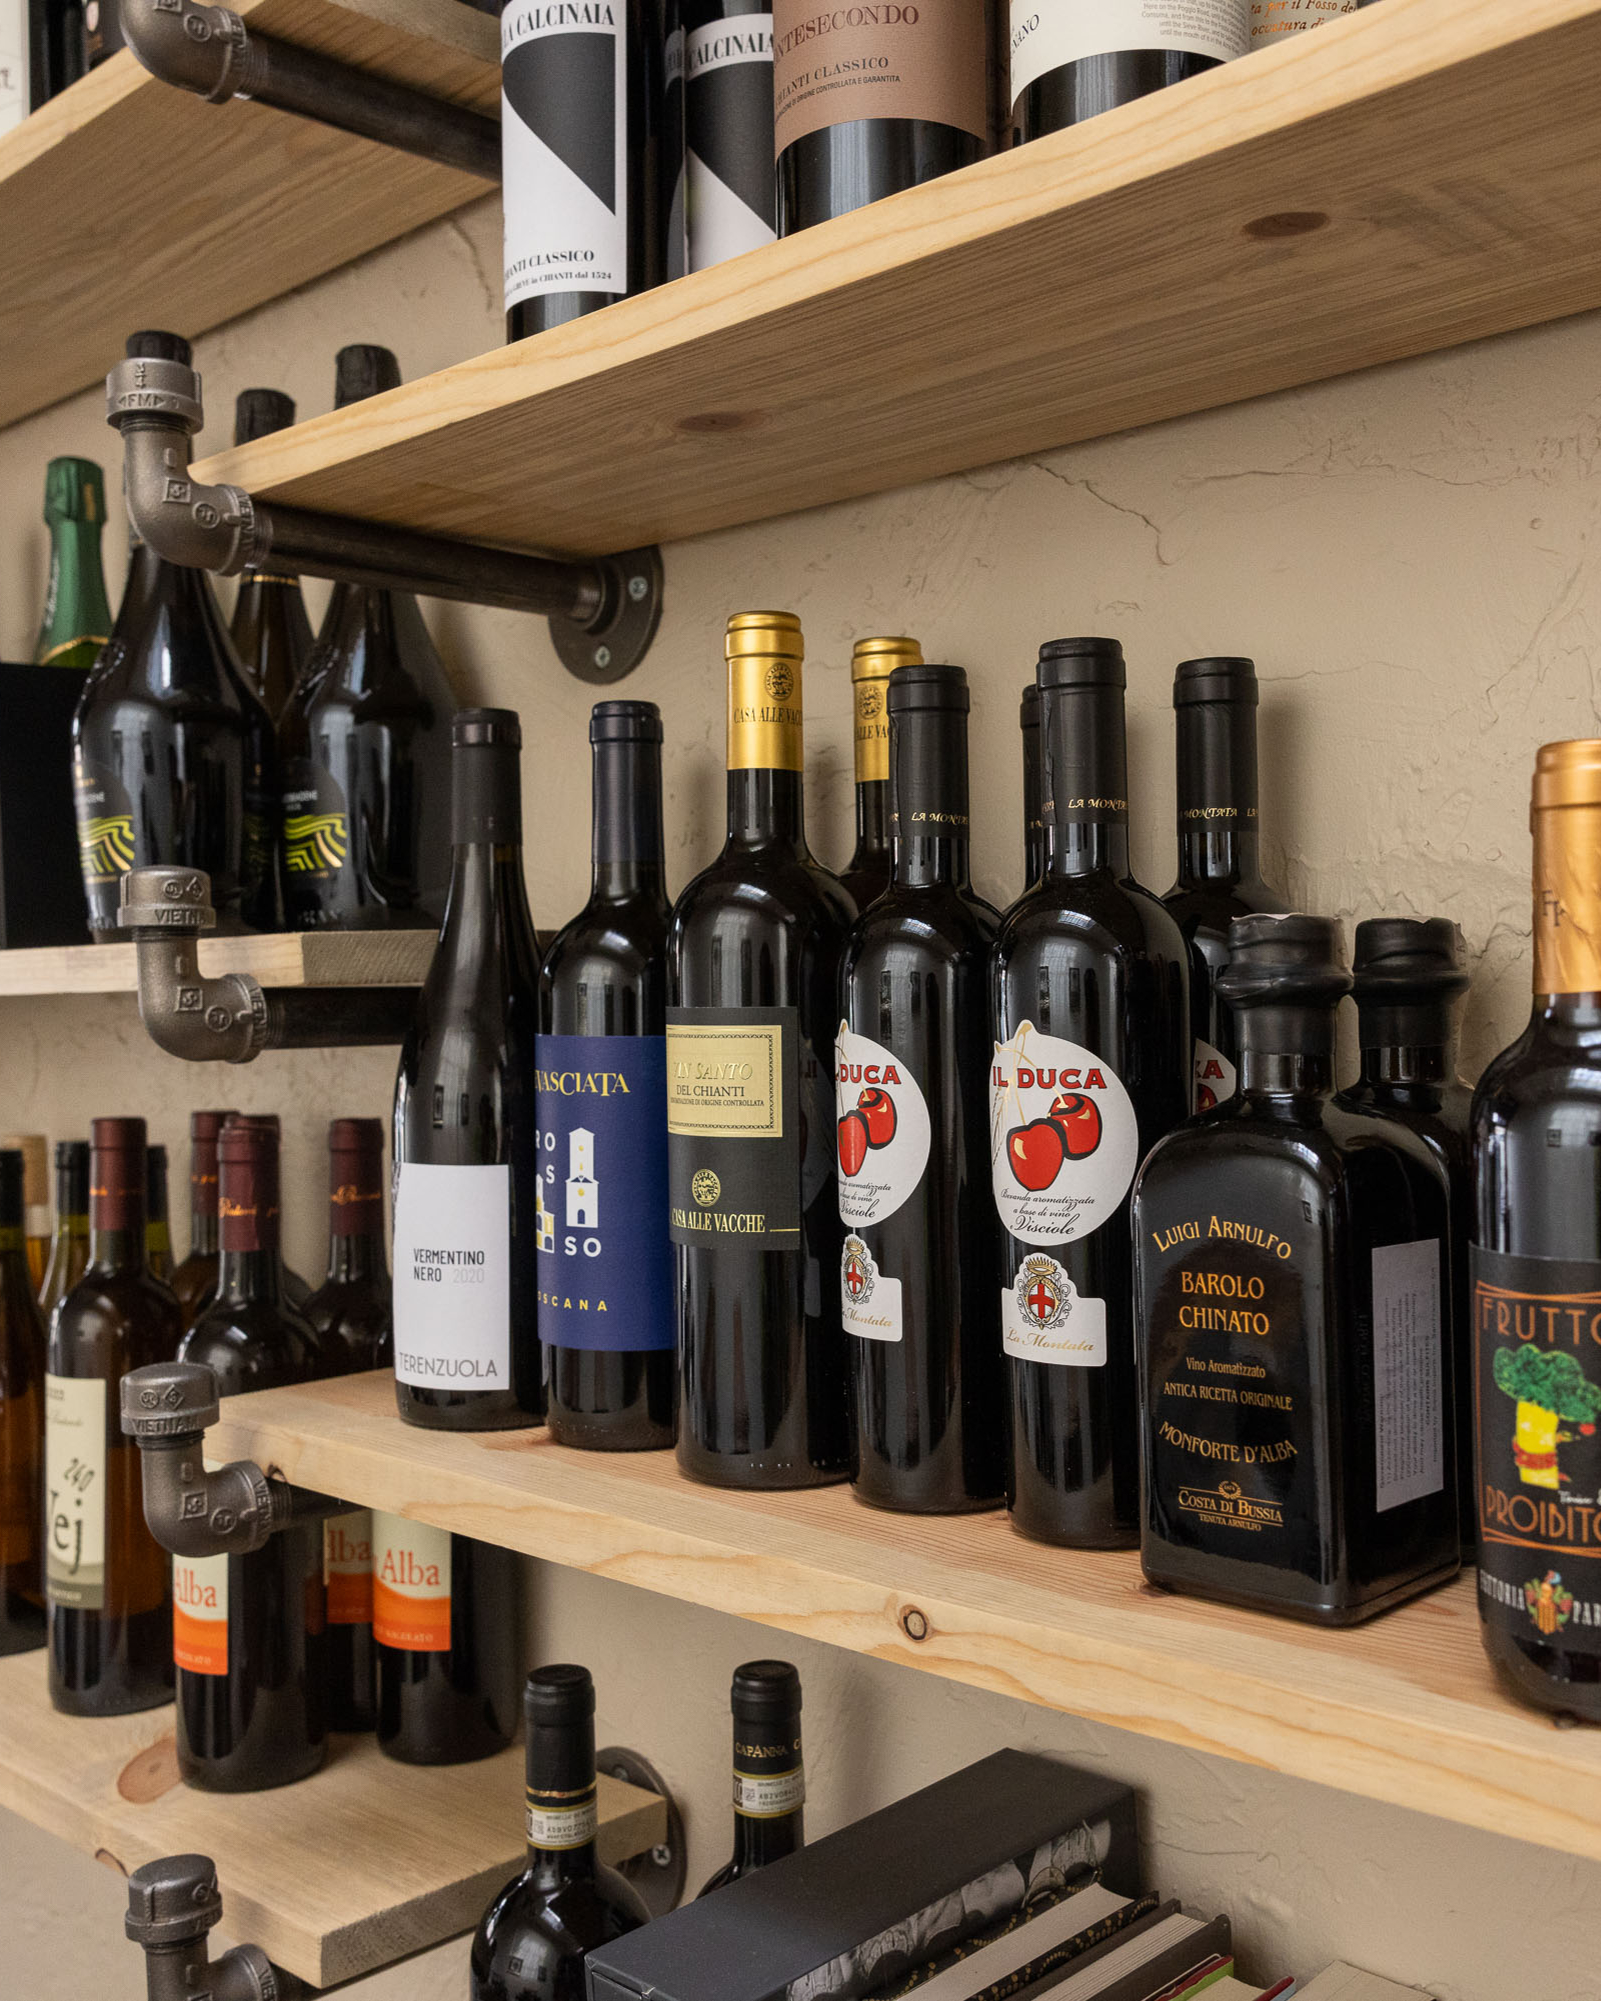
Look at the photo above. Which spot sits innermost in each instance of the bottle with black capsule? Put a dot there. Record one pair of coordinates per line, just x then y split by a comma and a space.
1411, 979
69, 1249
1070, 62
269, 628
1220, 872
532, 1941
1089, 993
1292, 1290
769, 1770
729, 196
446, 1629
866, 874
920, 1269
605, 1259
466, 1133
1028, 719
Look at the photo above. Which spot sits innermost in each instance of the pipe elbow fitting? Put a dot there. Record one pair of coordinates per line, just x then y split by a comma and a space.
194, 48
156, 406
191, 1510
186, 1013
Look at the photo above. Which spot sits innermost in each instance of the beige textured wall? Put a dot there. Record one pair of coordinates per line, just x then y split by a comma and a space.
1412, 558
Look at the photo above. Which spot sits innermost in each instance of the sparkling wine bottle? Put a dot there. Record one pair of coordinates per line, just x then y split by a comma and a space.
77, 618
269, 628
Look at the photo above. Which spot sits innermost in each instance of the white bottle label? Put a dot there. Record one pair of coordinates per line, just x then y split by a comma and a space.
1215, 1076
75, 1491
13, 63
1272, 18
769, 1795
410, 1585
1064, 1141
881, 1130
1408, 1400
551, 1825
564, 146
200, 1614
453, 1277
870, 1303
1043, 1319
1048, 33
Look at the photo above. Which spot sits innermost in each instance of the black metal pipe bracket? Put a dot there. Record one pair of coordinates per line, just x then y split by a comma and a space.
603, 612
172, 1906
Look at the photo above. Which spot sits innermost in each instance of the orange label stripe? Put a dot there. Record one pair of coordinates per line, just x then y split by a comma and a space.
417, 1625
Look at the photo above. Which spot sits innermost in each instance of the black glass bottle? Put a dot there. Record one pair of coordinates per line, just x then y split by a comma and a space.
531, 1943
22, 1406
1062, 72
448, 1637
69, 1248
866, 874
605, 1259
921, 1265
1293, 1286
1410, 981
1090, 1006
1028, 720
753, 977
365, 744
352, 1312
769, 1770
466, 1282
1220, 875
269, 628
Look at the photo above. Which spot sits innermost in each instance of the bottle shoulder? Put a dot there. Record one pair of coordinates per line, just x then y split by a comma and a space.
608, 940
1210, 907
250, 1344
1321, 1136
761, 891
111, 1311
1092, 914
920, 926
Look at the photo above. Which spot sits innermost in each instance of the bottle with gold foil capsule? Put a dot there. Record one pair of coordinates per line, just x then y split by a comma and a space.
866, 874
1536, 1275
22, 1358
1292, 1289
753, 999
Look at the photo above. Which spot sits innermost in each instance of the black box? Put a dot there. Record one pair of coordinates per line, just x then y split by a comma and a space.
41, 891
861, 1907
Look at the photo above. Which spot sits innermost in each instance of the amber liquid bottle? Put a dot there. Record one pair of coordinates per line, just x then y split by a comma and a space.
269, 628
22, 1360
36, 1200
195, 1280
769, 1770
106, 1577
69, 1250
866, 874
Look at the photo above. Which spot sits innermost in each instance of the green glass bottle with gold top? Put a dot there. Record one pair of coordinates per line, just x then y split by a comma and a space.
77, 618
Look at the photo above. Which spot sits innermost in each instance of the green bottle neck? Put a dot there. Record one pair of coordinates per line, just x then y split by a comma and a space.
77, 618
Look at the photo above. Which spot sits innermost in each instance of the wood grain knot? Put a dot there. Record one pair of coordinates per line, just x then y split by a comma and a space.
707, 423
150, 1773
914, 1624
1291, 222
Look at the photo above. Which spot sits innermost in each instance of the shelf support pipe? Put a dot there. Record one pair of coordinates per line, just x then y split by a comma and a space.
210, 51
172, 1907
603, 612
231, 1018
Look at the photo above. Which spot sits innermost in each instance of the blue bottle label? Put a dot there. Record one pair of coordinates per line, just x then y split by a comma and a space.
605, 1262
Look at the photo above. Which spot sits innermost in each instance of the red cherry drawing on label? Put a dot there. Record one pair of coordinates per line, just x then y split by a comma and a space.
1036, 1153
853, 1144
1587, 1430
1079, 1119
878, 1109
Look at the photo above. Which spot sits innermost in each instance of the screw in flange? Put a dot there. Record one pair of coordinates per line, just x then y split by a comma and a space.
914, 1624
637, 587
602, 656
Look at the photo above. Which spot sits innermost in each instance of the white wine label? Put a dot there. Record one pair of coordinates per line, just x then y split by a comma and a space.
564, 147
553, 1823
1215, 1076
1408, 1391
882, 1131
1272, 18
870, 1303
453, 1276
767, 1795
13, 66
347, 1567
1048, 33
1064, 1141
200, 1614
728, 125
75, 1491
1043, 1318
410, 1585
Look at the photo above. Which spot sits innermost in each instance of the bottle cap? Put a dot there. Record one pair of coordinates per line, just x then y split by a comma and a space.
11, 1176
764, 1689
472, 729
264, 1121
74, 490
625, 722
155, 346
1285, 960
156, 1179
877, 659
72, 1153
1404, 957
257, 413
207, 1125
1028, 714
1220, 678
769, 634
247, 1140
1567, 774
1081, 663
355, 1135
924, 685
558, 1695
115, 1135
361, 371
35, 1165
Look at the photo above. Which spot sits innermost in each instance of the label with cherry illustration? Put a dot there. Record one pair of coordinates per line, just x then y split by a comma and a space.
1064, 1140
882, 1129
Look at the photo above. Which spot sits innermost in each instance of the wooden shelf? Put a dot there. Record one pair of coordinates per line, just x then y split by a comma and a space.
362, 1863
276, 959
132, 204
1139, 267
1403, 1710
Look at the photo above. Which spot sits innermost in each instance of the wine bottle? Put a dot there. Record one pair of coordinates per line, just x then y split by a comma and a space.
605, 1258
921, 1262
173, 756
1070, 62
866, 874
769, 1770
352, 1657
102, 30
729, 195
35, 1152
365, 739
1090, 1003
69, 1253
352, 1312
58, 52
1220, 875
1271, 20
269, 628
107, 1589
1033, 827
1292, 1291
580, 106
753, 984
1536, 1275
158, 1228
195, 1280
1410, 983
447, 1631
466, 1286
77, 618
249, 1632
295, 1289
531, 1943
867, 101
675, 240
22, 1365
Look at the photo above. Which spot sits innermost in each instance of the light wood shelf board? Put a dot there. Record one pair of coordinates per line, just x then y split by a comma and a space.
366, 1861
132, 204
1403, 1710
275, 959
1100, 278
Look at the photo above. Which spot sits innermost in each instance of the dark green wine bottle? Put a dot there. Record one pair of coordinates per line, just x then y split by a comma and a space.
77, 618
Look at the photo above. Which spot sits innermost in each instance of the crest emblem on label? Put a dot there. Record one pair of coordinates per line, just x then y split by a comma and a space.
882, 1130
1064, 1140
869, 1302
857, 1272
1045, 1319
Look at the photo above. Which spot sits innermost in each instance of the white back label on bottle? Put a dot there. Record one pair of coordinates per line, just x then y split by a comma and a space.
564, 147
881, 1130
870, 1303
1043, 1318
1046, 34
410, 1585
1408, 1388
453, 1277
1216, 1079
75, 1491
200, 1614
1064, 1140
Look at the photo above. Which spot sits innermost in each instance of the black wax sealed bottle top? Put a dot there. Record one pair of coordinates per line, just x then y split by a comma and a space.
765, 1691
152, 345
1400, 958
1285, 960
361, 371
625, 722
1219, 678
1081, 663
257, 413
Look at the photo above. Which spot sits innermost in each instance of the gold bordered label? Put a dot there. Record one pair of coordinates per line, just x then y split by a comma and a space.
723, 1081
